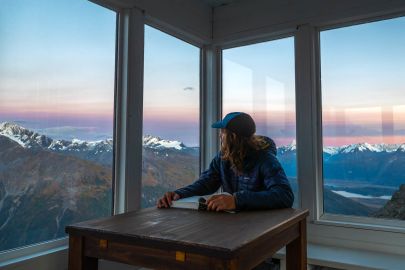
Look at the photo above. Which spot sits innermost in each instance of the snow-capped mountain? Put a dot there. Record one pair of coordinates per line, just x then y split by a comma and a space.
366, 147
387, 147
31, 139
72, 179
79, 145
350, 148
158, 143
23, 136
331, 150
359, 147
401, 148
292, 147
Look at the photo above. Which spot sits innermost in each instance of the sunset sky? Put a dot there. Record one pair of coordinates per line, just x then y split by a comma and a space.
171, 88
259, 79
363, 83
57, 67
57, 76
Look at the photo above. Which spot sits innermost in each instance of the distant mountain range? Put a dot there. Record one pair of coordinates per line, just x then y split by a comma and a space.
46, 184
42, 191
31, 139
329, 151
377, 164
99, 151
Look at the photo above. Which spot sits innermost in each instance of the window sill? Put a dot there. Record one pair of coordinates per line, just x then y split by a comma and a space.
14, 256
395, 226
351, 237
348, 258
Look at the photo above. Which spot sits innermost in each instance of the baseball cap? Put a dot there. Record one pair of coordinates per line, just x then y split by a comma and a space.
238, 122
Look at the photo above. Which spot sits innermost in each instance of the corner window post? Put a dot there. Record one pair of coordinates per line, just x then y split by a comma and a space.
308, 114
211, 102
128, 184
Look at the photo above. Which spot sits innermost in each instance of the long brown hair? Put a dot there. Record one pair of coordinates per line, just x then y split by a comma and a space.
234, 148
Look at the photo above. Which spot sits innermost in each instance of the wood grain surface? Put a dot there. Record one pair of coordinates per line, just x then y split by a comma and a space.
218, 234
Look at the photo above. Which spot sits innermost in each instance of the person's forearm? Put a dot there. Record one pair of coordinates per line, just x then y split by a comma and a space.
208, 183
276, 197
198, 188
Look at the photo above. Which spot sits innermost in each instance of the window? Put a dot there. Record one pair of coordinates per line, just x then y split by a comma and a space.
170, 116
363, 114
56, 117
259, 79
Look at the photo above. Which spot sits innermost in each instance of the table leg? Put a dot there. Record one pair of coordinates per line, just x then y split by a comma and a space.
77, 259
297, 250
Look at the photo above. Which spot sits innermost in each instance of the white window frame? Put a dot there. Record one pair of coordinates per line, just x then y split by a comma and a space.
130, 71
128, 116
327, 229
339, 230
18, 254
202, 103
344, 220
289, 33
21, 253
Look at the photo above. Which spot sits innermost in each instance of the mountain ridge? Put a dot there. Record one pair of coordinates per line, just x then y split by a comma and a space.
42, 191
28, 138
31, 139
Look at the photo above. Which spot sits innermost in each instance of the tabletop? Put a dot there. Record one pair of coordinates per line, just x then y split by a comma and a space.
217, 233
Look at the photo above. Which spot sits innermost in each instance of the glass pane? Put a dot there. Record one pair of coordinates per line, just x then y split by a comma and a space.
171, 115
363, 85
259, 79
56, 117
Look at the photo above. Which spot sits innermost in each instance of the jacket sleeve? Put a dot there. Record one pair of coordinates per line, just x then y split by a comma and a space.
208, 182
277, 193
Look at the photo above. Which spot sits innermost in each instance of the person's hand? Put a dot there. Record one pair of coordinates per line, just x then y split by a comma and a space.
167, 199
221, 202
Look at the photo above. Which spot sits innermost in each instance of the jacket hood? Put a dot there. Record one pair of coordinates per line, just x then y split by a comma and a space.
252, 158
271, 147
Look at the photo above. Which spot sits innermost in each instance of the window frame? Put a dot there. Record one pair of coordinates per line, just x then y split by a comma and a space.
208, 63
19, 254
344, 232
151, 22
368, 223
290, 33
126, 37
134, 38
15, 255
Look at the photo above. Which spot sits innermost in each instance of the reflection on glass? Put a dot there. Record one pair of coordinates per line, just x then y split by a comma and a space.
259, 79
364, 119
56, 117
171, 115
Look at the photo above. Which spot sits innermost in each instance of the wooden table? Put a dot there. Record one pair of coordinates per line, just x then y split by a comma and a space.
189, 239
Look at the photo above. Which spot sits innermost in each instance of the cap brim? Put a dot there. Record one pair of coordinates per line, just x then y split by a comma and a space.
218, 124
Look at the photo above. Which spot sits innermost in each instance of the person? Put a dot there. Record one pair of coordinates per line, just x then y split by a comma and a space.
246, 167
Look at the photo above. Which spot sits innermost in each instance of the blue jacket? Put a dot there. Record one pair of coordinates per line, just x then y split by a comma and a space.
263, 184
